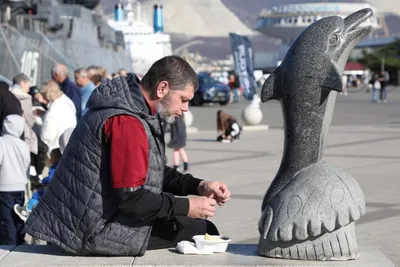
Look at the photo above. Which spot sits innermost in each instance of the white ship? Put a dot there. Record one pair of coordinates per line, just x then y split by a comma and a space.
145, 43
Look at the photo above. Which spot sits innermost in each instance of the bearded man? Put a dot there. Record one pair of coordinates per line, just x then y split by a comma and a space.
112, 193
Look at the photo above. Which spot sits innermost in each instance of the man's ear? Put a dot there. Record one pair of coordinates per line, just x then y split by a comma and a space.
162, 89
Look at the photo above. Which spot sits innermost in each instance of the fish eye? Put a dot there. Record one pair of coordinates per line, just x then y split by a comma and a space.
334, 39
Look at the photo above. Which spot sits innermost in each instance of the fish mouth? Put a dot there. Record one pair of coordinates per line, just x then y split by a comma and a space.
352, 24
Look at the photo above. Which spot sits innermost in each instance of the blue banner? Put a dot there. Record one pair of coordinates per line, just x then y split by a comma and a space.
243, 58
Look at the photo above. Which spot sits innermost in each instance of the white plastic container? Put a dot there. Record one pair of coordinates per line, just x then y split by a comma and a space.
214, 246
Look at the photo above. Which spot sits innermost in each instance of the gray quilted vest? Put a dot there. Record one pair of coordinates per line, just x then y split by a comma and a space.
78, 211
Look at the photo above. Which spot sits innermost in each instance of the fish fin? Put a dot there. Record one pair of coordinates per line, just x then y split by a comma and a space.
268, 89
333, 80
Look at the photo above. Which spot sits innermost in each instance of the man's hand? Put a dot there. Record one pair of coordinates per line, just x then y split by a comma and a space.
201, 207
215, 190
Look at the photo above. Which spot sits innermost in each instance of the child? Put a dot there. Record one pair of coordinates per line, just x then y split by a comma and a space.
228, 128
14, 164
24, 211
178, 142
55, 156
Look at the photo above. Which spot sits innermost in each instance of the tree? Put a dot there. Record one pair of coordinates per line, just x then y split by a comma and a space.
389, 54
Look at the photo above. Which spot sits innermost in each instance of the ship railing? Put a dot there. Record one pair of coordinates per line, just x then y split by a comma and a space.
35, 46
266, 13
28, 23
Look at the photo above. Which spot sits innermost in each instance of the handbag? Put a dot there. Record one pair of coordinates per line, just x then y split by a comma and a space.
377, 85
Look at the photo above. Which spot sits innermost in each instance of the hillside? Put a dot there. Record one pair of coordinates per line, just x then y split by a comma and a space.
208, 18
211, 20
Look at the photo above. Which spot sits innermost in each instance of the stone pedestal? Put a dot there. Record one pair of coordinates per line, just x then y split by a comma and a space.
188, 118
252, 116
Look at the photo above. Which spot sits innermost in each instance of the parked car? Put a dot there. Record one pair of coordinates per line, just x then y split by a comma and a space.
210, 91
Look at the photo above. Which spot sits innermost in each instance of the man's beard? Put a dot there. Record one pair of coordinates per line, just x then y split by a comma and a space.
162, 110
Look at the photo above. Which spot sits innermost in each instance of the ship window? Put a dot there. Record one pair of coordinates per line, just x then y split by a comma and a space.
309, 19
295, 21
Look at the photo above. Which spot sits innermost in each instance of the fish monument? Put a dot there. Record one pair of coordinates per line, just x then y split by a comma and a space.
309, 210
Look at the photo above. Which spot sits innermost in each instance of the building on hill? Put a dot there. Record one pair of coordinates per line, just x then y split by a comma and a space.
286, 22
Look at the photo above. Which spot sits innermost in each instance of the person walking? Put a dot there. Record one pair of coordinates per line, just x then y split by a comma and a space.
178, 143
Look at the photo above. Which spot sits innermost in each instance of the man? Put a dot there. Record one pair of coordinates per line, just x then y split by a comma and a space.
384, 80
122, 72
59, 74
112, 193
20, 88
86, 85
92, 70
9, 103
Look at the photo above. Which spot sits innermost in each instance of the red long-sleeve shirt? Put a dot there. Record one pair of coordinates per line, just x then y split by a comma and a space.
129, 151
128, 146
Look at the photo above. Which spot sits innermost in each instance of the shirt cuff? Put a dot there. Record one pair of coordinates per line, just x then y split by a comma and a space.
192, 185
181, 206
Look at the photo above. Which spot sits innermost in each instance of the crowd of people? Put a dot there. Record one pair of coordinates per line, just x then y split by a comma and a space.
48, 115
108, 190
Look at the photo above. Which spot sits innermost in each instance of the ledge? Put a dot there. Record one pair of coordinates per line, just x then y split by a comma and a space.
253, 128
237, 255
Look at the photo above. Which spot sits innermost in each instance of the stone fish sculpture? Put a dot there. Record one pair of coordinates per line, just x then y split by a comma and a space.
310, 208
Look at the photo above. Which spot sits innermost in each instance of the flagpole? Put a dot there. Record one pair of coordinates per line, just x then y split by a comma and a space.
244, 67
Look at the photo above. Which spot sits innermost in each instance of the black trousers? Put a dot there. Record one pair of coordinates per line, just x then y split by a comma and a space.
167, 233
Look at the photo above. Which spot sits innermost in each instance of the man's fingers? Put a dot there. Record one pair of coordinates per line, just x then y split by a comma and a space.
223, 187
226, 199
209, 214
219, 193
227, 193
211, 201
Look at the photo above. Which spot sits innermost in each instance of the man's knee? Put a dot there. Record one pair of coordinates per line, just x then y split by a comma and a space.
211, 228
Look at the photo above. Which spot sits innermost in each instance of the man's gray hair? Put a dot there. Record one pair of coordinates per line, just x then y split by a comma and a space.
82, 72
19, 78
60, 69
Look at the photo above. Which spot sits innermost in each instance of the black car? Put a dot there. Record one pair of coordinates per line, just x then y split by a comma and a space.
210, 91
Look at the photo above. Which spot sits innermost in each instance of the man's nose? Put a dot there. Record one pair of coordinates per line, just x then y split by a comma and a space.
185, 107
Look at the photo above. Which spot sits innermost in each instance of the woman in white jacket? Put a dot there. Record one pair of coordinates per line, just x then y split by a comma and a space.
60, 115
